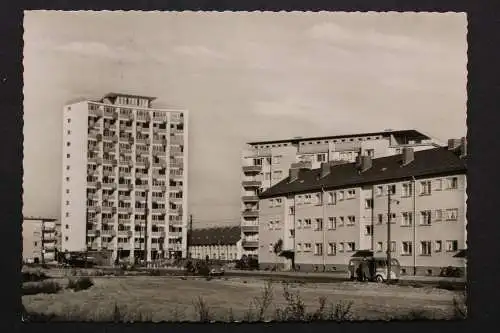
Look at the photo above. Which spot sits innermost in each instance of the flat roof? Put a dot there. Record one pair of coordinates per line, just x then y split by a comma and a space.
409, 132
34, 218
112, 94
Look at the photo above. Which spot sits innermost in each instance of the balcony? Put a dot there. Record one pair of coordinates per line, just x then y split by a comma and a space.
250, 227
250, 213
124, 186
177, 140
124, 197
108, 209
142, 140
158, 234
144, 130
141, 175
124, 246
159, 130
92, 196
95, 112
143, 117
161, 211
124, 127
110, 113
160, 153
125, 233
109, 186
252, 168
142, 163
126, 210
93, 135
157, 174
175, 223
250, 243
174, 247
178, 174
140, 210
108, 173
109, 233
138, 246
124, 221
250, 198
92, 232
176, 165
251, 183
112, 138
141, 186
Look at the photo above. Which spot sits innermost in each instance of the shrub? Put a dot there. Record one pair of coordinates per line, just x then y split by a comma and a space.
155, 272
295, 309
82, 283
34, 276
341, 311
202, 310
44, 287
263, 302
450, 271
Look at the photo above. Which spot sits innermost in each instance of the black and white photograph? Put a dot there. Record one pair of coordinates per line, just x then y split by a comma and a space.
244, 166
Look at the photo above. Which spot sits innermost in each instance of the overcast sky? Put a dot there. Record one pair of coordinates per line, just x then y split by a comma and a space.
244, 77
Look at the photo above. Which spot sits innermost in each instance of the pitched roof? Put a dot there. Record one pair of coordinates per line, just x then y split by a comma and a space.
386, 169
408, 133
215, 236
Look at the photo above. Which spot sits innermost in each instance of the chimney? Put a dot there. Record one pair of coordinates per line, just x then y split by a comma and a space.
408, 155
463, 147
364, 163
294, 174
325, 169
453, 144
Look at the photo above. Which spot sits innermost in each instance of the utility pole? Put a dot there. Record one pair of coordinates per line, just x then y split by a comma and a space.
389, 235
189, 234
42, 241
146, 230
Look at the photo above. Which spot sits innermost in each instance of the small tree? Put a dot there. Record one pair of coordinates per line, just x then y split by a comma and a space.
278, 247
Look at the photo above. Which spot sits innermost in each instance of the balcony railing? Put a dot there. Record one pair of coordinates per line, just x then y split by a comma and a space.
250, 198
95, 112
159, 210
250, 243
141, 186
158, 234
252, 183
111, 233
140, 210
252, 168
123, 221
125, 233
127, 210
250, 213
124, 246
124, 197
176, 165
111, 186
177, 140
142, 140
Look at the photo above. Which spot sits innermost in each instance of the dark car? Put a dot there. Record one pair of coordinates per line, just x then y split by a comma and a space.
216, 270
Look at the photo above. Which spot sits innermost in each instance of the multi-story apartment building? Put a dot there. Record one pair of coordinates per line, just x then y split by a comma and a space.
124, 186
41, 239
221, 243
324, 215
266, 163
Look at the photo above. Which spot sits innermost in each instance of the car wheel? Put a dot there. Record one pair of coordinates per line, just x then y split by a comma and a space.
379, 278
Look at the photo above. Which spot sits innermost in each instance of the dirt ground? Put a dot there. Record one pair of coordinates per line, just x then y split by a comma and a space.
173, 298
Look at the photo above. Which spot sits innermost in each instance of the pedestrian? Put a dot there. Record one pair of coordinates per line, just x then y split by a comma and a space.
365, 270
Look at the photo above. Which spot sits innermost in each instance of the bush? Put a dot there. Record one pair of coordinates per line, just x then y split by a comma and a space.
34, 276
450, 271
44, 287
202, 310
82, 283
155, 272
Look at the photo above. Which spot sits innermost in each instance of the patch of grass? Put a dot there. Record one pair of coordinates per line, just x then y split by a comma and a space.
82, 283
202, 310
43, 287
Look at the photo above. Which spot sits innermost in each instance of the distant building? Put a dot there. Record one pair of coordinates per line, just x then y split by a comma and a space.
41, 239
266, 163
124, 178
222, 243
324, 215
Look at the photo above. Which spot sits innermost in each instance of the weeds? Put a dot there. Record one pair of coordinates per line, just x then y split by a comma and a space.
263, 302
82, 283
202, 310
44, 287
460, 306
230, 315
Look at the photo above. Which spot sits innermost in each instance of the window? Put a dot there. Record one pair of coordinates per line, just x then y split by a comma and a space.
438, 215
452, 214
351, 220
406, 248
271, 203
67, 214
369, 203
332, 223
370, 152
279, 201
452, 183
379, 247
438, 246
380, 218
69, 120
392, 217
67, 167
393, 246
67, 226
276, 159
319, 224
36, 244
331, 198
67, 203
351, 246
307, 223
299, 223
69, 132
391, 189
307, 247
407, 190
451, 246
318, 249
299, 247
368, 230
407, 218
379, 190
271, 247
351, 194
68, 144
438, 184
341, 247
291, 210
425, 217
67, 191
68, 155
332, 249
66, 238
425, 248
318, 199
307, 198
425, 188
321, 158
341, 220
340, 195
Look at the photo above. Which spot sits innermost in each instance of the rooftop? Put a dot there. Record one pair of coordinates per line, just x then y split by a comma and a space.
409, 133
113, 95
431, 162
215, 236
34, 218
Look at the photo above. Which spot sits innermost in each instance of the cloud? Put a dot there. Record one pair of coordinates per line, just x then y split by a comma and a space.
198, 51
101, 50
333, 33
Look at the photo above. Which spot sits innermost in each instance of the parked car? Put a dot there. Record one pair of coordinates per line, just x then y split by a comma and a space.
216, 270
378, 271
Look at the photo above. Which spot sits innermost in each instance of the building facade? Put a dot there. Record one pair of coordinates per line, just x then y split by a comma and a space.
41, 239
266, 163
223, 243
324, 215
125, 178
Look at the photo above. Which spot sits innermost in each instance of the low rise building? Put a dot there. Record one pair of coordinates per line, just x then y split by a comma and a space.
41, 239
322, 216
221, 243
